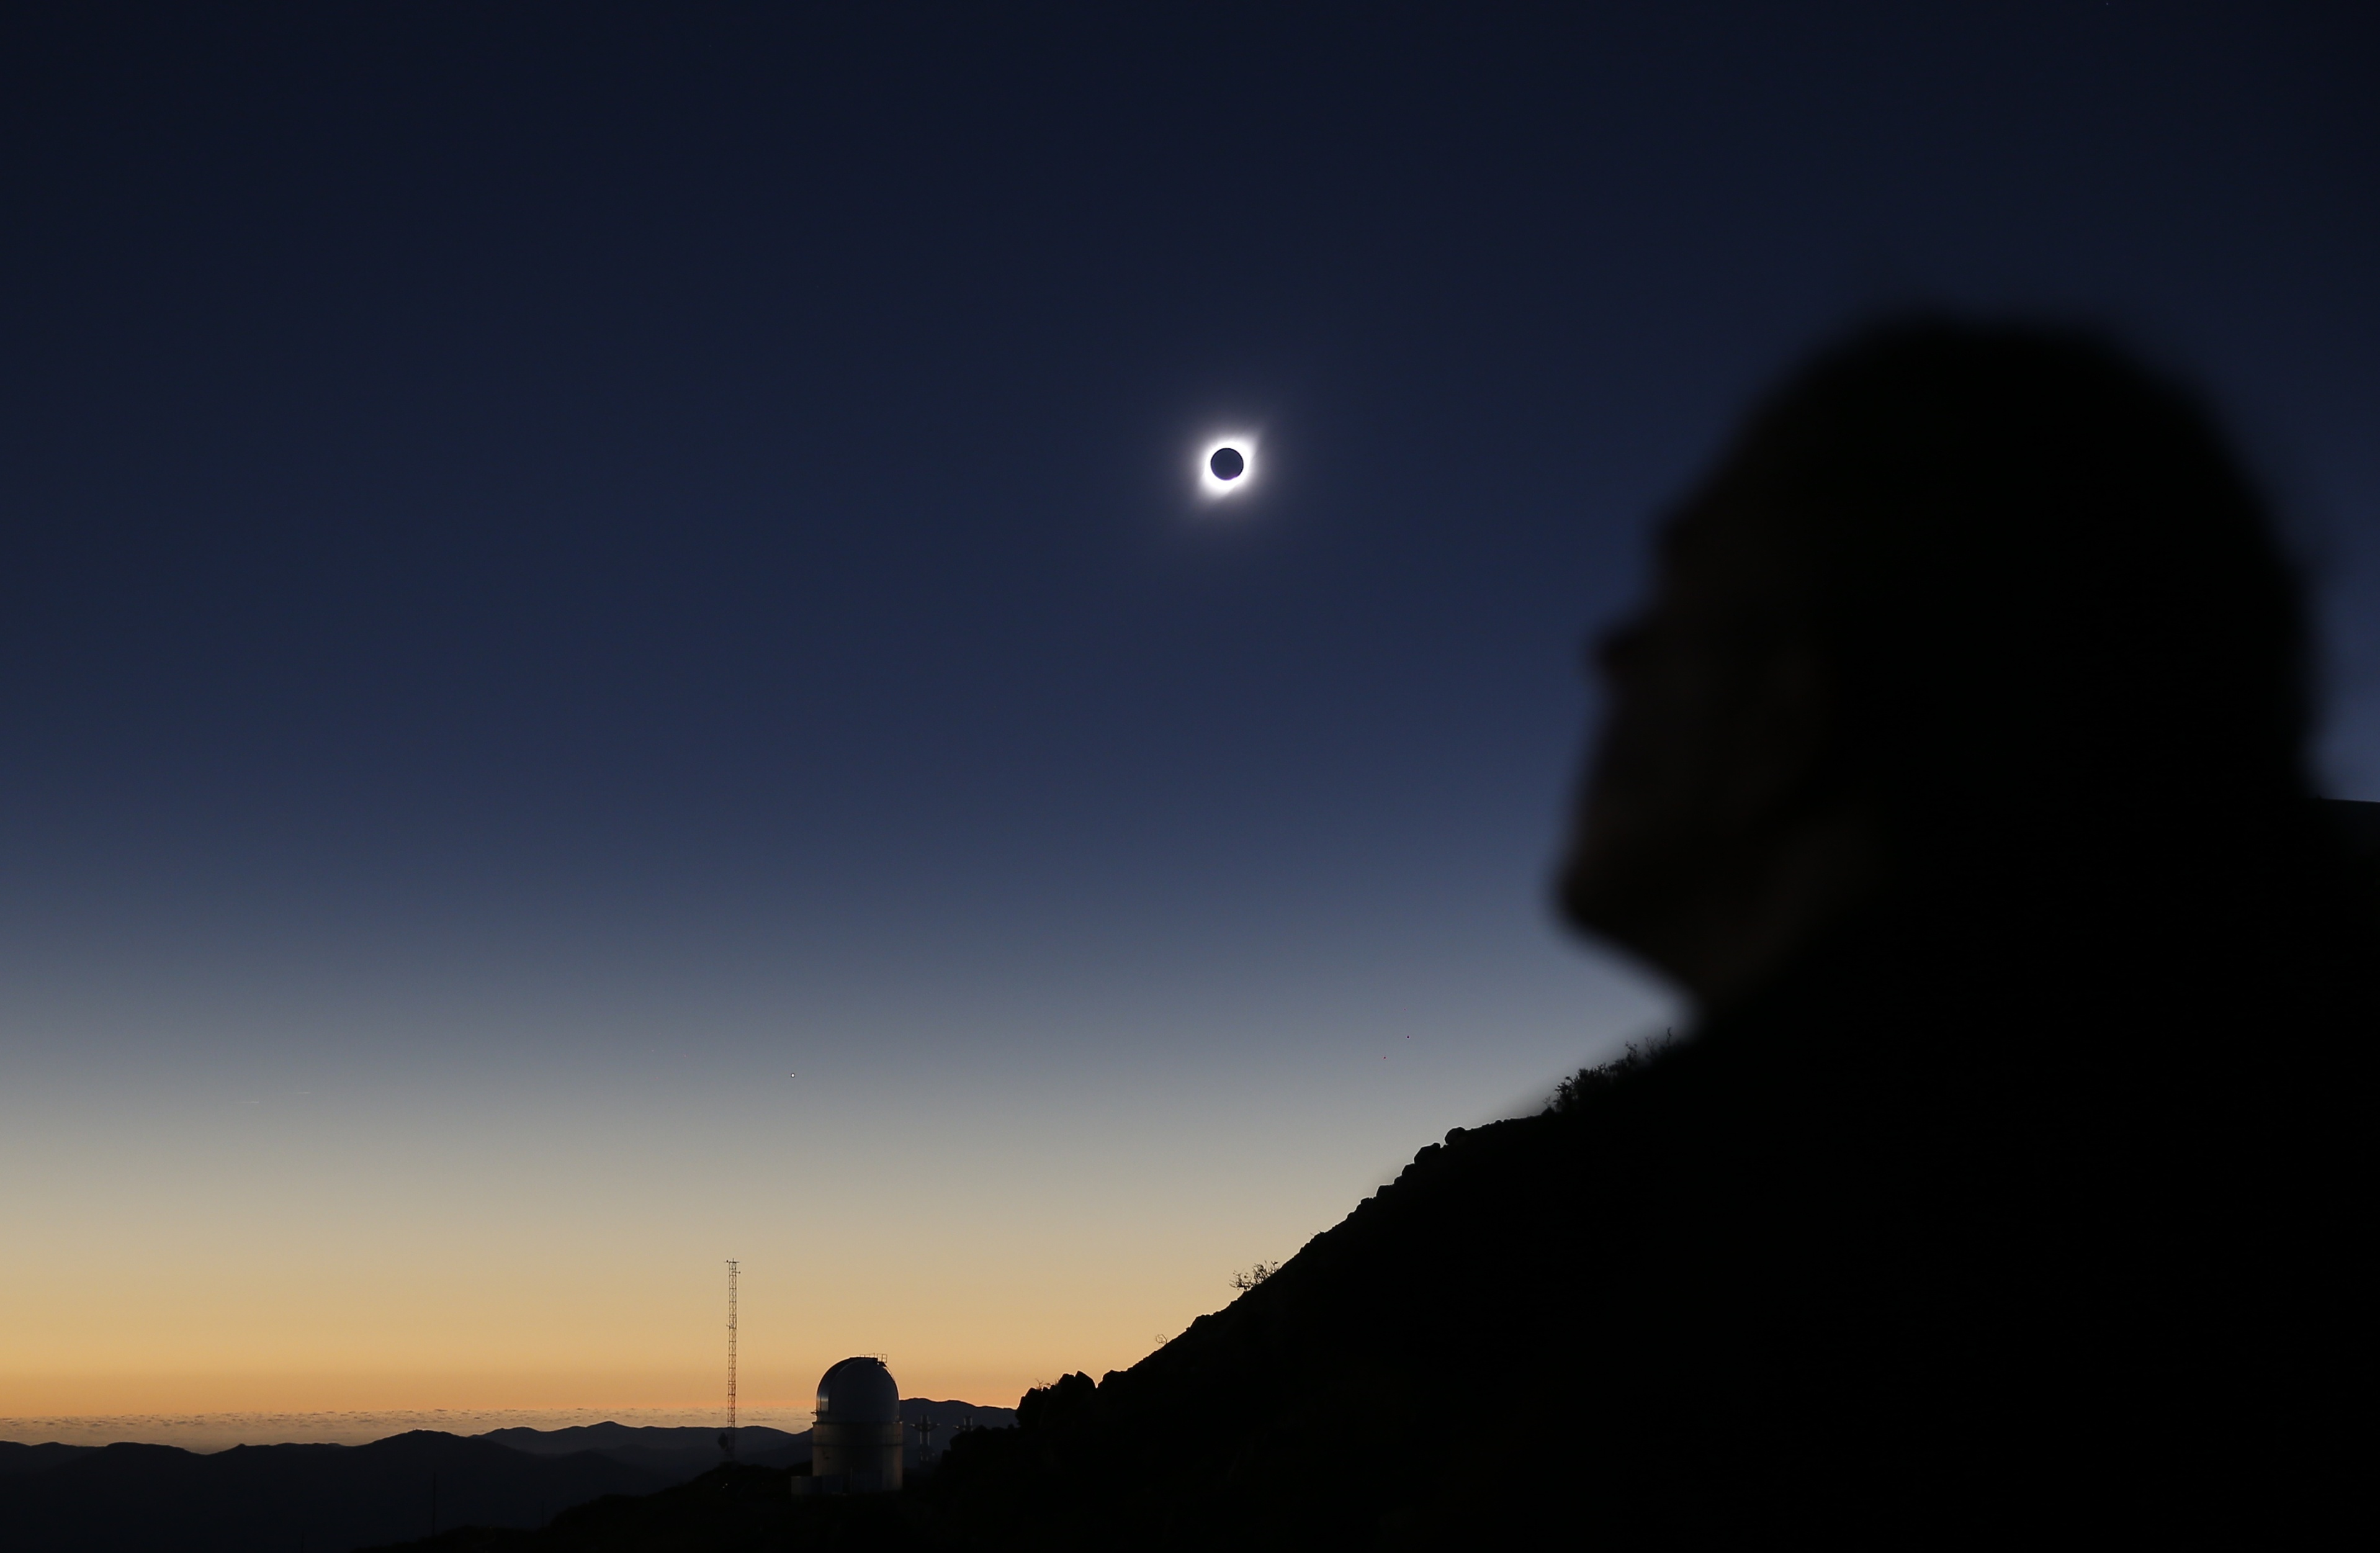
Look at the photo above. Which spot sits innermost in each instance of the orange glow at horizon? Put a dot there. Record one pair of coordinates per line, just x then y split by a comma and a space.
623, 1336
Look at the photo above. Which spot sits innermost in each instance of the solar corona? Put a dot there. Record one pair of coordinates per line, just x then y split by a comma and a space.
1227, 464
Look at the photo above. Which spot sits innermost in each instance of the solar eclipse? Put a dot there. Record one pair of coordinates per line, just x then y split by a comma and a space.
1227, 465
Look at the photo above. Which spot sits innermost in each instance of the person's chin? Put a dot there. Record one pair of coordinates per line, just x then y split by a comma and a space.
1616, 883
1584, 886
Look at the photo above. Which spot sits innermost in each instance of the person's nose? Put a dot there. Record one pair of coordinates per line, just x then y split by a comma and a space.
1612, 652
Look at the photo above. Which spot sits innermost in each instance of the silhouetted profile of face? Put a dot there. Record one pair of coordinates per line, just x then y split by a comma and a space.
1714, 735
1987, 609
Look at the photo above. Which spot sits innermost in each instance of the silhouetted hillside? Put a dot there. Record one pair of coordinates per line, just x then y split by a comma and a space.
1156, 1456
16, 1458
607, 1436
672, 1454
950, 1419
324, 1499
680, 1453
740, 1507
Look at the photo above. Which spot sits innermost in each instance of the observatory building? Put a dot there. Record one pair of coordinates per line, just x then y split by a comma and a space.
856, 1444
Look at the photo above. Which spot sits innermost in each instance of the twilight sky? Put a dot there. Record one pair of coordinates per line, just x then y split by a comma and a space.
608, 661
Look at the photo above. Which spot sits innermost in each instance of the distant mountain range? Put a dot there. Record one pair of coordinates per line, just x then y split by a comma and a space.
329, 1498
675, 1454
682, 1453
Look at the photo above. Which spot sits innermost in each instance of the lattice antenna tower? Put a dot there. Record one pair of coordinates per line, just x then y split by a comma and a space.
727, 1441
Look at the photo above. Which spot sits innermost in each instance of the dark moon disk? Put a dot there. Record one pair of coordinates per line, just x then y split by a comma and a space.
1227, 463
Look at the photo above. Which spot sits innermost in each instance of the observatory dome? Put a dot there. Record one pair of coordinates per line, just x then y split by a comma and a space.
856, 1444
859, 1392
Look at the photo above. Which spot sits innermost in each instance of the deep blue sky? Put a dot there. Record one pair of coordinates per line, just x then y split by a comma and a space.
563, 563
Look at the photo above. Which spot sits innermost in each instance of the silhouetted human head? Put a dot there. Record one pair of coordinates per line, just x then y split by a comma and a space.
1962, 602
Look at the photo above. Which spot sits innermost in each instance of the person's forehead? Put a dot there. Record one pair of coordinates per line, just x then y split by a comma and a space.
1724, 548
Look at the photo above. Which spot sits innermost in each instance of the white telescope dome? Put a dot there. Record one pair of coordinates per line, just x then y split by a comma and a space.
856, 1444
859, 1390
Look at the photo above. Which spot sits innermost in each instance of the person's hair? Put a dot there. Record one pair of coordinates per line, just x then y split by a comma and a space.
2054, 602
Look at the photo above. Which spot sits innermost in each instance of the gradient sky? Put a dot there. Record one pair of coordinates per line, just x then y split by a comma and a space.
610, 661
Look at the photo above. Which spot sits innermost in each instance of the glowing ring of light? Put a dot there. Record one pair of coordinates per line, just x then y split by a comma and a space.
1214, 489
